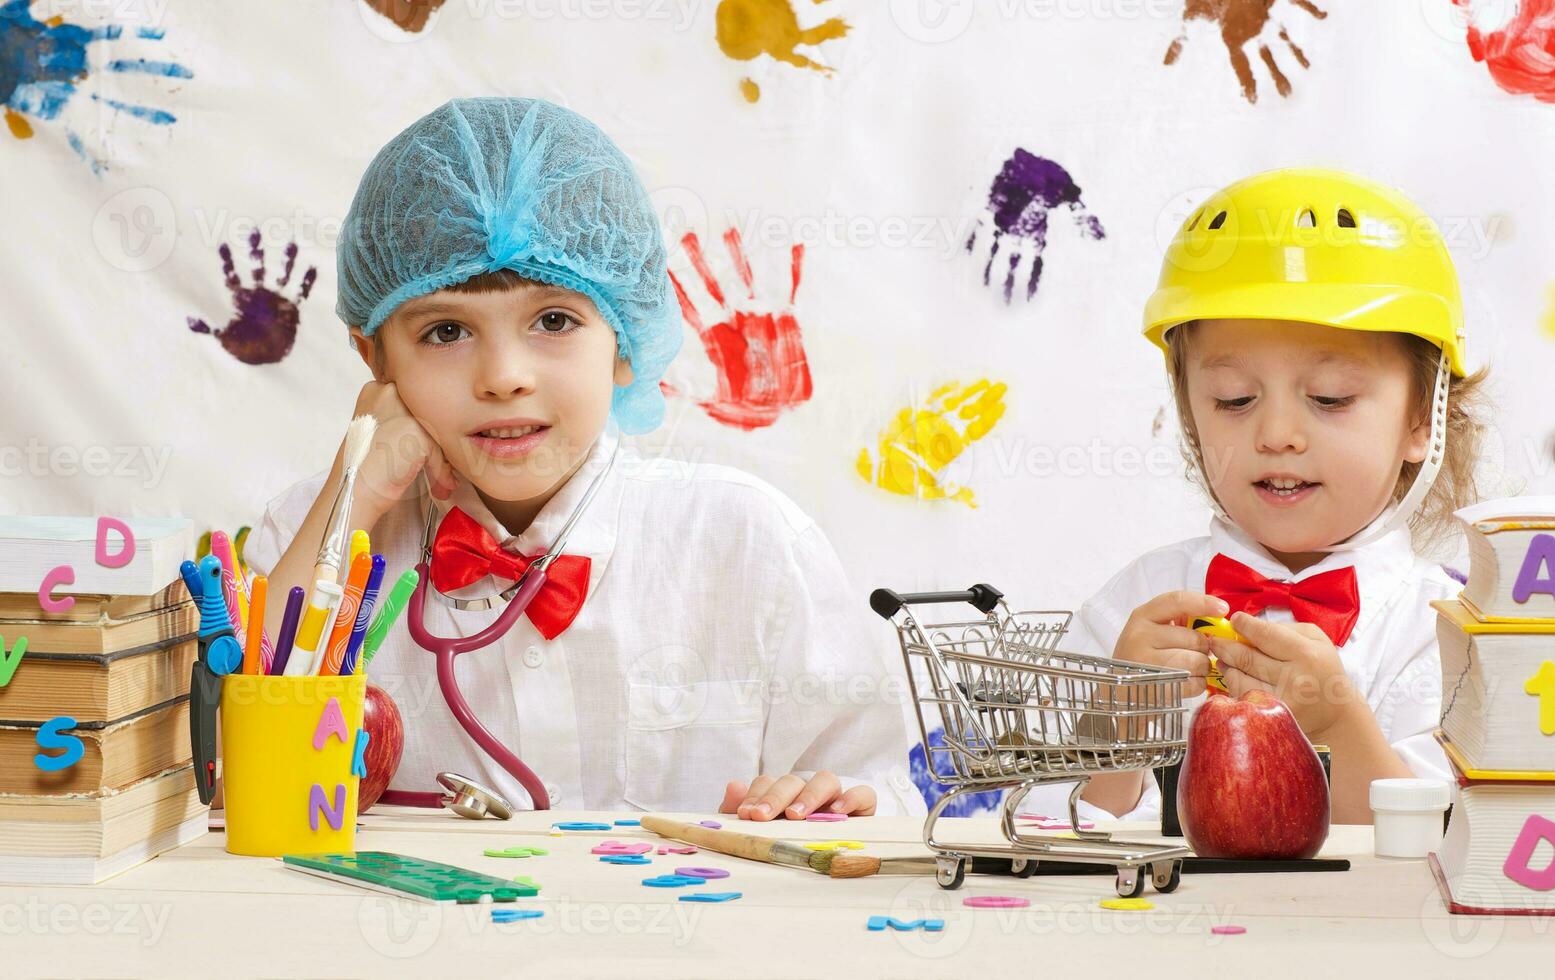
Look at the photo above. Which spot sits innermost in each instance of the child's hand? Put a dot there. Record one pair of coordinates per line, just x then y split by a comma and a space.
1296, 662
790, 796
401, 448
1157, 633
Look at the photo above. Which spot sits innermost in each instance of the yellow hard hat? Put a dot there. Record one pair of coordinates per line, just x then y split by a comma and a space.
1320, 246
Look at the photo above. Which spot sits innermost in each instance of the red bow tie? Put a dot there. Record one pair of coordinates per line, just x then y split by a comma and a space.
1330, 600
463, 553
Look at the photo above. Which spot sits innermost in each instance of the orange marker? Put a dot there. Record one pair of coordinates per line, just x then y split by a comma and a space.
256, 618
340, 637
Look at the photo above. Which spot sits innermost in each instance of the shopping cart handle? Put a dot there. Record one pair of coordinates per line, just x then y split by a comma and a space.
887, 603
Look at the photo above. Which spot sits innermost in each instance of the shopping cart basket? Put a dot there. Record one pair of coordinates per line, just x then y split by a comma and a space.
1018, 712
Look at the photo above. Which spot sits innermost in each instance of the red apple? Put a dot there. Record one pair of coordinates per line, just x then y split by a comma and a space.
1251, 785
385, 743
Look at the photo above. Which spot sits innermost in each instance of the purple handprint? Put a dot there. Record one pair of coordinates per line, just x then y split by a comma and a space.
1027, 188
264, 324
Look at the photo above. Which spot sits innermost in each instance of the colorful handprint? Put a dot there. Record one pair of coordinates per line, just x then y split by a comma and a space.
407, 15
264, 322
1026, 190
759, 355
41, 63
1242, 22
1519, 53
917, 453
748, 29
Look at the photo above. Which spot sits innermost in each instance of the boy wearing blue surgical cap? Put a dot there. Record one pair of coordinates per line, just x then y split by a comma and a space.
504, 279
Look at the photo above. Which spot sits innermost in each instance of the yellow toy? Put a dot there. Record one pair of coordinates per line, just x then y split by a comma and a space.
1216, 626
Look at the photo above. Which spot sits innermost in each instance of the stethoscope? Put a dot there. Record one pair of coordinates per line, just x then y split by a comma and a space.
466, 796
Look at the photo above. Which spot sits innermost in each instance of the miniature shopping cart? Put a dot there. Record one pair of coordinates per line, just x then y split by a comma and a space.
1018, 712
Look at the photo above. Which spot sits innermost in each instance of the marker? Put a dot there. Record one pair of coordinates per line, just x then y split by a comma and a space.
363, 615
398, 597
251, 658
283, 647
334, 649
310, 635
237, 606
361, 544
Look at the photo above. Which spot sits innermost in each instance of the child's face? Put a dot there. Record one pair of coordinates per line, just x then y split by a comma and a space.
535, 357
1332, 412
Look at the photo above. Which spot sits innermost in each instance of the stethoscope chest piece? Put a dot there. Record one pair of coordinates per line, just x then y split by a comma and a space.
471, 799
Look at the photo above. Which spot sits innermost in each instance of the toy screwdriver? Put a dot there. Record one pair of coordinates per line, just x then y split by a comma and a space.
219, 655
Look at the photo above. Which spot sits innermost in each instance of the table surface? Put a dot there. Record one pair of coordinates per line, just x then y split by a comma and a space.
198, 911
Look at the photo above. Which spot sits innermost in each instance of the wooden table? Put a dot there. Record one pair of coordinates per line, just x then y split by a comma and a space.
201, 912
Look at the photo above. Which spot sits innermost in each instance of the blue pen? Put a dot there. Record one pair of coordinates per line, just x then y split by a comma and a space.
283, 643
364, 613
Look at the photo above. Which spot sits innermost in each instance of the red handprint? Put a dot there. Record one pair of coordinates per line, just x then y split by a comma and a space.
759, 356
1520, 52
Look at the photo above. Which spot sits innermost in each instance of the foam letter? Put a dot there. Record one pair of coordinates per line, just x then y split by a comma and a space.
331, 722
1539, 557
1535, 829
10, 661
63, 575
126, 554
50, 737
318, 803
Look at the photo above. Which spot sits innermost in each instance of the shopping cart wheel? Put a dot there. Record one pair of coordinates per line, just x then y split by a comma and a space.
1023, 867
1131, 884
1166, 875
950, 872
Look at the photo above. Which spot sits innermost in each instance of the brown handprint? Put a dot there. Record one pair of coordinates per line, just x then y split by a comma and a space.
759, 355
1241, 22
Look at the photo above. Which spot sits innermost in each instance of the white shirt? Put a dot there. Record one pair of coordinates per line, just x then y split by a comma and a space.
1390, 657
719, 640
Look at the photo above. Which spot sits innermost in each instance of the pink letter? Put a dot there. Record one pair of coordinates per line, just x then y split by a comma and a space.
63, 575
125, 556
331, 722
1535, 829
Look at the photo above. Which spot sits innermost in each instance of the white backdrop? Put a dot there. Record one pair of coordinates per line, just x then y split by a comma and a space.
881, 168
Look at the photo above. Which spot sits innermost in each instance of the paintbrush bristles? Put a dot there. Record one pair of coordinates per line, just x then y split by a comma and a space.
853, 866
359, 438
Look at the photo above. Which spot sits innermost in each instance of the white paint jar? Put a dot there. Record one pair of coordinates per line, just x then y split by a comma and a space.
1407, 816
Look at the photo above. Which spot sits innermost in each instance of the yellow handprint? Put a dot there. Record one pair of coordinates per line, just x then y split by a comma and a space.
922, 441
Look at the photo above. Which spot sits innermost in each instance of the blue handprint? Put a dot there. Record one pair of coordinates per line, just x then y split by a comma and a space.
41, 63
1027, 188
968, 804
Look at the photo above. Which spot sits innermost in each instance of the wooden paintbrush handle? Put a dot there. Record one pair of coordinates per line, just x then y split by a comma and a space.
729, 842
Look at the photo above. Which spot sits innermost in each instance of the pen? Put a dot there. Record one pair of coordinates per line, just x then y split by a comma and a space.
315, 622
283, 646
363, 615
391, 610
334, 648
237, 603
256, 612
191, 576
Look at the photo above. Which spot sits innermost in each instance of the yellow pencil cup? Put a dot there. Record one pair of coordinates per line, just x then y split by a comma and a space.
287, 747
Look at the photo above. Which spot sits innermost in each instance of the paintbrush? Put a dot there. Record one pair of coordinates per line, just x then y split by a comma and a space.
862, 866
767, 850
359, 438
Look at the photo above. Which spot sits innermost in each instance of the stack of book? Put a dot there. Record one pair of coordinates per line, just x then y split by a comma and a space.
1497, 644
117, 664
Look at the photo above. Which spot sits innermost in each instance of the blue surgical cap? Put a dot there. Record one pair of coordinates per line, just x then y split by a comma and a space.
495, 183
